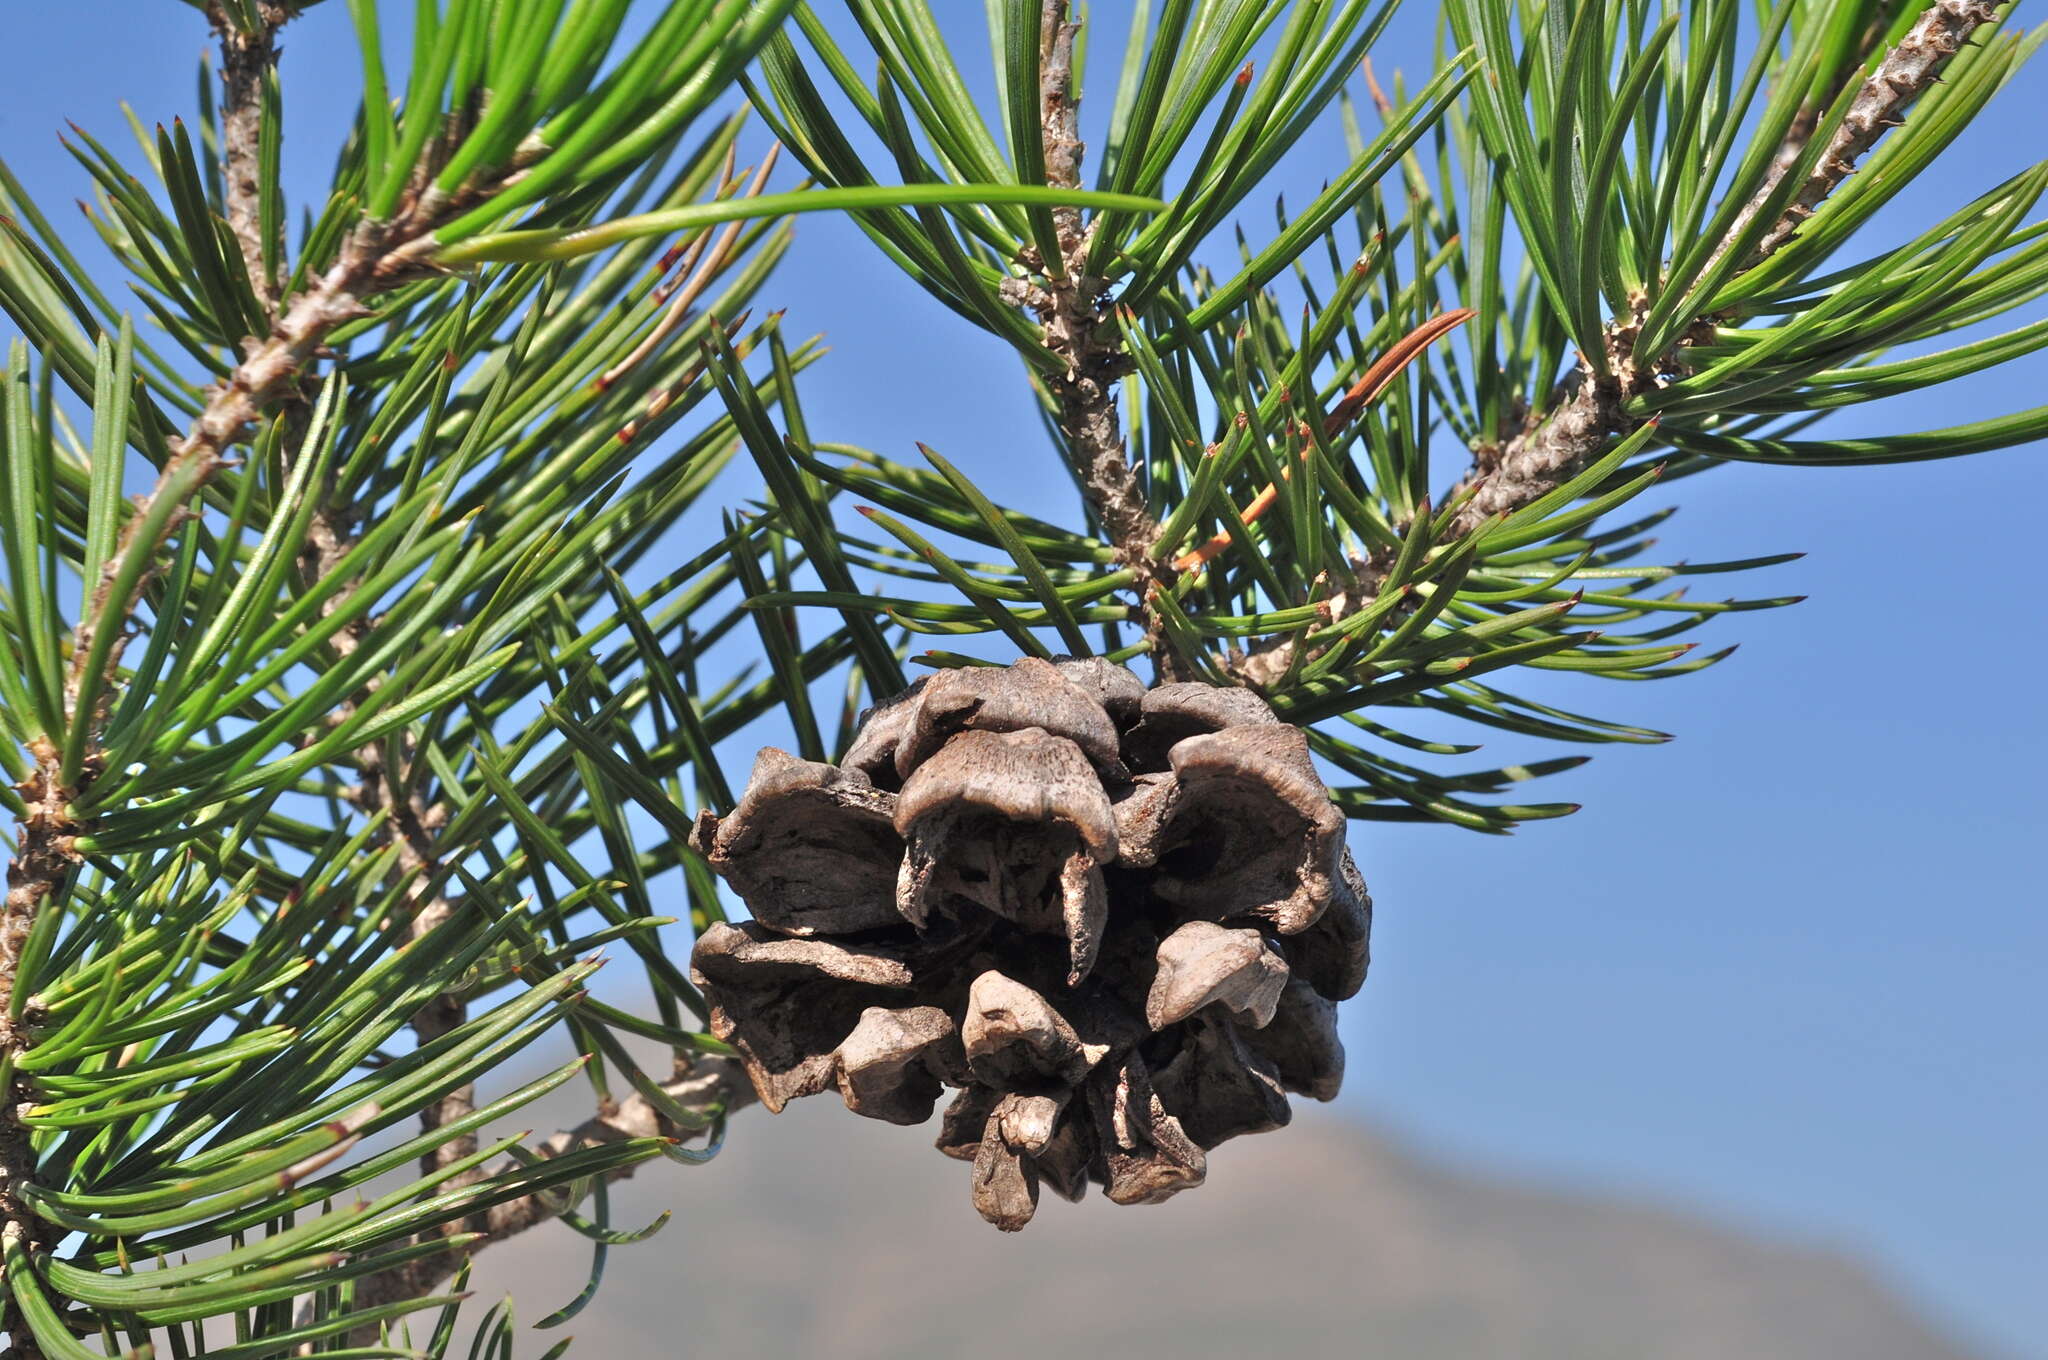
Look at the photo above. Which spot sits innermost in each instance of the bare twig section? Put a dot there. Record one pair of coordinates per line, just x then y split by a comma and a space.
712, 1086
247, 60
410, 826
1907, 71
42, 863
1545, 455
386, 785
42, 859
1807, 120
413, 824
1073, 316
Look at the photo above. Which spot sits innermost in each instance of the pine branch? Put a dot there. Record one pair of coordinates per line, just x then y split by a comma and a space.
1072, 313
1807, 121
1070, 307
485, 174
1265, 665
1362, 393
374, 258
411, 826
1554, 445
247, 60
408, 828
46, 852
43, 861
1548, 451
711, 1087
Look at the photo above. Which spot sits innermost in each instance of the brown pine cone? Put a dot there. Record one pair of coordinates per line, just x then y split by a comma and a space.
1117, 920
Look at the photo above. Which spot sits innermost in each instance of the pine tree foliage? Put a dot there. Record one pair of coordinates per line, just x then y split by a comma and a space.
1618, 256
356, 693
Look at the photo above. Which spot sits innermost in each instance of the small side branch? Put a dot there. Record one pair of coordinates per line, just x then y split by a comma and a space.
1071, 307
711, 1086
1553, 446
1906, 72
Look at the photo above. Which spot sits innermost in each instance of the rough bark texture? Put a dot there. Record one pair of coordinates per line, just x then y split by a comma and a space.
410, 828
1546, 455
247, 59
1073, 314
43, 861
1116, 921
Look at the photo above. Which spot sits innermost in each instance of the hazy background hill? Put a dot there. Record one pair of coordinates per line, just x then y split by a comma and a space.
819, 1234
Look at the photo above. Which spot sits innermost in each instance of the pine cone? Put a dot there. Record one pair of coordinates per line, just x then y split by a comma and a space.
1118, 920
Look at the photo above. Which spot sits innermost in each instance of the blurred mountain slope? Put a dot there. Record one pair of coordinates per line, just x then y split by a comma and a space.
819, 1234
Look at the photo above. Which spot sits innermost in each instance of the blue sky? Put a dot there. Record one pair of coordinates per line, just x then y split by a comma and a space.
1787, 968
